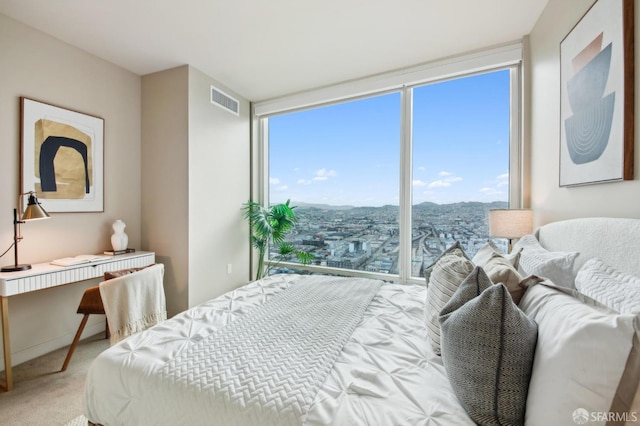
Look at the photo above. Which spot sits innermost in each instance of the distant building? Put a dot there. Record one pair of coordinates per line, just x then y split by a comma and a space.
313, 242
358, 246
367, 239
340, 262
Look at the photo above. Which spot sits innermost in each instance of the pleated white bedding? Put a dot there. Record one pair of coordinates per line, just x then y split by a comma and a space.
385, 374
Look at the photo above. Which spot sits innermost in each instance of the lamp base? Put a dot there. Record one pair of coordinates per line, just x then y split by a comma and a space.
15, 268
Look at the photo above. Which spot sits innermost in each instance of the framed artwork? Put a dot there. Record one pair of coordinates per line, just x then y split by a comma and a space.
597, 96
62, 157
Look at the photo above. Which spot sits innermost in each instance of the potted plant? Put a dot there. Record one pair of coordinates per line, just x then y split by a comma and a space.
271, 225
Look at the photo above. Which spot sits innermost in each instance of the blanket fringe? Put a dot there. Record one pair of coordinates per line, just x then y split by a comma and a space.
136, 326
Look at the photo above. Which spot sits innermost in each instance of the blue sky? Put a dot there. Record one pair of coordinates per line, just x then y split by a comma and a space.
349, 153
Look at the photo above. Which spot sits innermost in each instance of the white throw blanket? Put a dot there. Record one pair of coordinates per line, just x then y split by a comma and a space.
267, 366
134, 302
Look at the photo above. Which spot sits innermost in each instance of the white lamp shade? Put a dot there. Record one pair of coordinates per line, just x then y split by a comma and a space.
510, 223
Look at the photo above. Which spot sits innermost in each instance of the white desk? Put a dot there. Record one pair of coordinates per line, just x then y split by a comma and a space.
45, 275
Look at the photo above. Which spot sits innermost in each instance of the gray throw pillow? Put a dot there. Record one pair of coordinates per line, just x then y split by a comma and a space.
448, 273
488, 345
429, 269
471, 287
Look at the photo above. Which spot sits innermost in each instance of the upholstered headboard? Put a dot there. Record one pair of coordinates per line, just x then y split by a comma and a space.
615, 241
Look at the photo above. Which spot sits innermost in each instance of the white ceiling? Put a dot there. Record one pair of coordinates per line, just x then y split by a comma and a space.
267, 48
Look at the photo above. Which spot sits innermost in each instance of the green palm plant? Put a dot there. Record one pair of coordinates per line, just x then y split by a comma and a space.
271, 225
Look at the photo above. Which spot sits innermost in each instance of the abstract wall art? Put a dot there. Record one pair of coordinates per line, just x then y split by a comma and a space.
596, 96
62, 157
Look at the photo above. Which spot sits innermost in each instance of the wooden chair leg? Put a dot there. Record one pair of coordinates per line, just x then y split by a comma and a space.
72, 348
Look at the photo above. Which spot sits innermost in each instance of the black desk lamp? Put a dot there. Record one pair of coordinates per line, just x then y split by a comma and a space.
33, 212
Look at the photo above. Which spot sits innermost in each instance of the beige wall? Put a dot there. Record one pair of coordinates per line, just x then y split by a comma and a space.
40, 67
195, 177
165, 178
218, 186
550, 202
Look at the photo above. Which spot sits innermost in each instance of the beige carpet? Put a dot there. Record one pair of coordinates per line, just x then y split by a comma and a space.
43, 396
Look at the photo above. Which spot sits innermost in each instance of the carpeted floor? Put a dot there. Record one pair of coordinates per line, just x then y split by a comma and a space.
44, 396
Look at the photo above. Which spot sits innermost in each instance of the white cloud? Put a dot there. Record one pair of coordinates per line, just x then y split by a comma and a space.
491, 191
495, 190
303, 182
324, 174
274, 181
439, 184
282, 188
503, 179
449, 178
422, 168
419, 183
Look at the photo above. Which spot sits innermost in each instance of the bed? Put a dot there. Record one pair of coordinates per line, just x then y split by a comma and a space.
313, 349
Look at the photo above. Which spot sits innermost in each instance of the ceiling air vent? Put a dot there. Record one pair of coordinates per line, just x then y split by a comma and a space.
221, 99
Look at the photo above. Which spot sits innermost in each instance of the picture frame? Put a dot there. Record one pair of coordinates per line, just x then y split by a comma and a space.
597, 96
62, 157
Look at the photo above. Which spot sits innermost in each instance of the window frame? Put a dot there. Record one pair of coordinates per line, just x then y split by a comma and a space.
404, 81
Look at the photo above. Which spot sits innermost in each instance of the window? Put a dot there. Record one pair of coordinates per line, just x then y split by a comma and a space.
384, 182
460, 163
339, 165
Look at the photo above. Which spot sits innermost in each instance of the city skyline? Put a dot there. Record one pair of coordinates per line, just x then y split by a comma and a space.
368, 238
349, 153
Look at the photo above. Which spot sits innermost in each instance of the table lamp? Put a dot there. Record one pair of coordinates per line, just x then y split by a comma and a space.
33, 212
510, 223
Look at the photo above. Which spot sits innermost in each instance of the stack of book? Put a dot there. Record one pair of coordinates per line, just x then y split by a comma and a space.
117, 252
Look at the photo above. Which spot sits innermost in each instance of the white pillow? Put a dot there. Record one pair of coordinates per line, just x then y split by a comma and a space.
602, 282
556, 266
581, 359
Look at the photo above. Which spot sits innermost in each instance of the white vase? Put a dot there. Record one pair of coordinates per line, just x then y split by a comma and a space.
119, 239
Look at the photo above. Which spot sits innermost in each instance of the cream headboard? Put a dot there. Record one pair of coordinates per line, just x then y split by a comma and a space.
615, 241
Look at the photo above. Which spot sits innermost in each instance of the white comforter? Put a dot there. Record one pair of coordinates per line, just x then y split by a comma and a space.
386, 373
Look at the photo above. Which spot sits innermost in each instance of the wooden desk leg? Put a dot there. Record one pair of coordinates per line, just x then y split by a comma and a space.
6, 344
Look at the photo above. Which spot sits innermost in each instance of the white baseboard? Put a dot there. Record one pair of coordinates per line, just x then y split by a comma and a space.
51, 345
